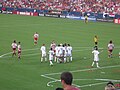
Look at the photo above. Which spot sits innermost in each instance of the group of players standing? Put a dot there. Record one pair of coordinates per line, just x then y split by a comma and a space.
61, 53
17, 47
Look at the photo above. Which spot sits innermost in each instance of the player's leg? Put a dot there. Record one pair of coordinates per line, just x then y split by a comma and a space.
19, 54
93, 63
65, 58
50, 59
71, 57
35, 41
45, 56
42, 57
111, 53
14, 52
97, 64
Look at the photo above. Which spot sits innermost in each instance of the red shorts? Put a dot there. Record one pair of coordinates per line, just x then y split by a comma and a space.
110, 50
19, 52
36, 39
14, 49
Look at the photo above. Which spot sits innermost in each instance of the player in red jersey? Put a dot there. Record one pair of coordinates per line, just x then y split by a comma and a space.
19, 50
66, 80
110, 48
14, 46
36, 36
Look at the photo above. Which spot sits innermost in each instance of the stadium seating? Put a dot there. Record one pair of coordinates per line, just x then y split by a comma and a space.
96, 6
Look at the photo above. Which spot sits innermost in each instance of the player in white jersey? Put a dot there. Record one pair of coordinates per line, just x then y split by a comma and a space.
56, 53
43, 52
96, 56
60, 53
65, 52
19, 50
53, 46
69, 53
14, 46
110, 49
36, 36
51, 56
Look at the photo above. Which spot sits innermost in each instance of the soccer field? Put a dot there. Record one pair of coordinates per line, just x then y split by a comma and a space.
30, 74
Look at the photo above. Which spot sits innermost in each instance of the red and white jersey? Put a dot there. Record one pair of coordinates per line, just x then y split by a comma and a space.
53, 45
14, 45
110, 46
36, 35
19, 47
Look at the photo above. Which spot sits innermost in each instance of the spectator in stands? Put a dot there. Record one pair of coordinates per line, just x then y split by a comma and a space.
95, 6
109, 86
66, 80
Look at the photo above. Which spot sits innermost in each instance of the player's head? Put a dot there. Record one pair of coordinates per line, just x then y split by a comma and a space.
59, 89
61, 44
50, 48
110, 86
68, 44
18, 42
66, 78
14, 41
65, 44
43, 44
110, 41
95, 48
96, 36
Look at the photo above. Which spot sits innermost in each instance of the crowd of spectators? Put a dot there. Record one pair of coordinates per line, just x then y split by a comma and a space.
97, 6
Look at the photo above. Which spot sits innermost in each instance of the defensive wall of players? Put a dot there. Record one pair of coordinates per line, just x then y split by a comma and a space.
103, 17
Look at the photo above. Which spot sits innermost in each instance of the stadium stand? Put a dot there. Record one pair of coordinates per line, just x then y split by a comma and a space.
96, 6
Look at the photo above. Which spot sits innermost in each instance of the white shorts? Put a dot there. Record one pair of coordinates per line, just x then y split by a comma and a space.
43, 54
69, 54
96, 59
50, 58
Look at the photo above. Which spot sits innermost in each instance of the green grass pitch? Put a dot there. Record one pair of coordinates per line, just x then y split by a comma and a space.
30, 74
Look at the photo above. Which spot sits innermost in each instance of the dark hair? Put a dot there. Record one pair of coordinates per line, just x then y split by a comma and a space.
95, 48
14, 41
59, 89
67, 77
51, 49
110, 83
68, 44
110, 41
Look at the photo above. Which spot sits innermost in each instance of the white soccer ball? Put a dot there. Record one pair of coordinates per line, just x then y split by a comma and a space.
84, 58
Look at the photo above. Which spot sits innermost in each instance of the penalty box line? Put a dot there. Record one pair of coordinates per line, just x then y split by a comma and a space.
48, 76
88, 48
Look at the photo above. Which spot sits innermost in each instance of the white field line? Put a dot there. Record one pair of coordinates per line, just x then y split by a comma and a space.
4, 55
84, 70
38, 48
105, 80
1, 56
97, 80
88, 85
22, 50
23, 55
